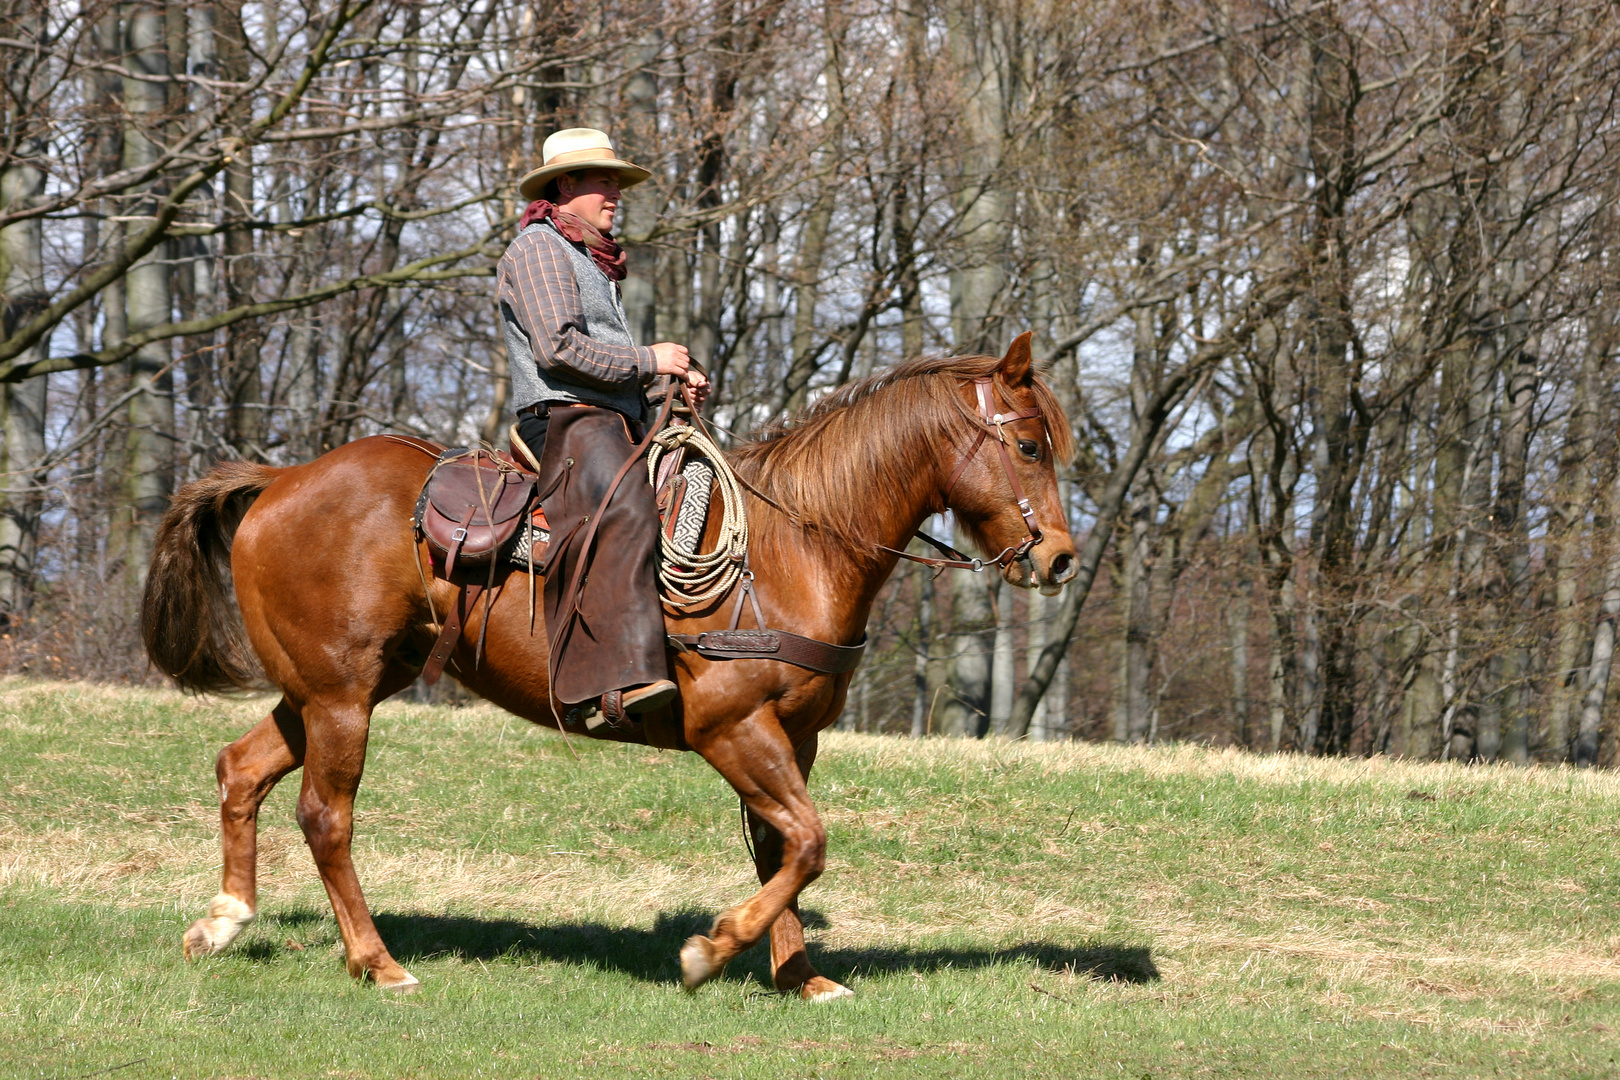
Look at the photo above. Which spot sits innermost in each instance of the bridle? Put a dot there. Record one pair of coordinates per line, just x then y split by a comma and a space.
989, 420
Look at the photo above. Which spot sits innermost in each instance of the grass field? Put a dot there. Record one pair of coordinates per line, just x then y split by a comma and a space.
1002, 911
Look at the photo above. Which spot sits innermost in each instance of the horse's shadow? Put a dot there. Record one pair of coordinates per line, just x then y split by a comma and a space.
651, 953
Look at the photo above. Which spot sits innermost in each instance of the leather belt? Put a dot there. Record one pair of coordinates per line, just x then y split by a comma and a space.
540, 408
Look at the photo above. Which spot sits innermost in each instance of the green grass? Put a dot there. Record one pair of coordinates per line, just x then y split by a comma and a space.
1000, 911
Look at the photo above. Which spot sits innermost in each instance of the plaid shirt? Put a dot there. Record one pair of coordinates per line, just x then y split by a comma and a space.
537, 288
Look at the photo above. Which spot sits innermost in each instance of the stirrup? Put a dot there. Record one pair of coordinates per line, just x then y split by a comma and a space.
608, 710
621, 709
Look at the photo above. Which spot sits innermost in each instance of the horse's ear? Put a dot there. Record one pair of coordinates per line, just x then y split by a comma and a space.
1018, 363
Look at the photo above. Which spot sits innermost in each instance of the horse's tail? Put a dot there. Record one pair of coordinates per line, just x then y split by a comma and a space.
189, 621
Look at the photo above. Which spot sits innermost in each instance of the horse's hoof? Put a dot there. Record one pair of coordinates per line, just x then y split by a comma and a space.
822, 988
404, 983
698, 962
198, 942
226, 917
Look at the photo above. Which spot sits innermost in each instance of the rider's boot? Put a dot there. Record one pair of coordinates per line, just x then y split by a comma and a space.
620, 707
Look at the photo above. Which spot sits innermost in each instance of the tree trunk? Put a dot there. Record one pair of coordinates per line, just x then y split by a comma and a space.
150, 475
304, 387
964, 706
976, 36
1569, 516
1519, 379
244, 427
802, 348
1036, 620
1056, 704
922, 700
1327, 676
804, 352
1237, 629
22, 414
1423, 702
1134, 714
22, 405
1003, 665
1603, 647
637, 138
1275, 531
1513, 549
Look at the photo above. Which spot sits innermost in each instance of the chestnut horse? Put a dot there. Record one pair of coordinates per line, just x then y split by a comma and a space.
332, 599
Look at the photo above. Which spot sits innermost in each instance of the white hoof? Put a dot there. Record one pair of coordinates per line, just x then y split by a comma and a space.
820, 989
407, 985
698, 964
226, 917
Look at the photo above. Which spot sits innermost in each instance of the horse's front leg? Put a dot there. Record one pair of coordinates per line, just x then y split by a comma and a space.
757, 759
790, 961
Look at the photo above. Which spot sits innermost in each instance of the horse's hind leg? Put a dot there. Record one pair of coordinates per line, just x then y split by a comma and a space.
790, 961
247, 769
332, 766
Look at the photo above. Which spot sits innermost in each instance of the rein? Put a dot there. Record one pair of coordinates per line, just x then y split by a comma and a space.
989, 419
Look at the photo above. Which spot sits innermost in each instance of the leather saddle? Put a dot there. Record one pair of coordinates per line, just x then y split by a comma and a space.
472, 504
475, 501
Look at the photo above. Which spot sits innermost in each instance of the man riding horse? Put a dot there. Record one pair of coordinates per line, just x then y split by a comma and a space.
581, 387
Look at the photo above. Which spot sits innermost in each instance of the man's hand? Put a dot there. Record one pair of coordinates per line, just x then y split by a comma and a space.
697, 385
673, 359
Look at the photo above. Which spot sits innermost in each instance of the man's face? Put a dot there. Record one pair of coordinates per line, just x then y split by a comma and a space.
592, 196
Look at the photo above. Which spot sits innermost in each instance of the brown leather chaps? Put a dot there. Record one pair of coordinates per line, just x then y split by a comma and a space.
610, 634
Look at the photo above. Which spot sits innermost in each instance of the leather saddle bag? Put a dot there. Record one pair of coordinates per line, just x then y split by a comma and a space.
472, 505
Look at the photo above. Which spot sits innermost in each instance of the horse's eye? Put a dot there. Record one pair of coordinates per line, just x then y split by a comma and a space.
1030, 449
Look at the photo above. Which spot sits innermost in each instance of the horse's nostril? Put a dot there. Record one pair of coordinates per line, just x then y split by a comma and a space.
1063, 568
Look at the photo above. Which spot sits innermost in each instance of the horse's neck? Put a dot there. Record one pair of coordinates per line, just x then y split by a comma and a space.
844, 583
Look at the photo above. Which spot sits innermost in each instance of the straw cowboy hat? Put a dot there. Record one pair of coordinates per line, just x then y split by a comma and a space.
573, 149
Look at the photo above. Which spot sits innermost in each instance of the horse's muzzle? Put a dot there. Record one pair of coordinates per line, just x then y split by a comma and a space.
1027, 573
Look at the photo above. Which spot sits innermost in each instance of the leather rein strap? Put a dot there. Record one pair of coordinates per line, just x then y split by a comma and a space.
783, 645
990, 420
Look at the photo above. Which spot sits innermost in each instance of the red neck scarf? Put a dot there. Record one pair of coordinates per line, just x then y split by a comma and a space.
604, 250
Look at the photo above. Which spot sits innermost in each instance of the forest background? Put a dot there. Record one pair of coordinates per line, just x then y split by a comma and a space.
1329, 291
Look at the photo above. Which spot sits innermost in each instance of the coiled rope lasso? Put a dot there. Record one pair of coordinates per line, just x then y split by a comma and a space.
692, 578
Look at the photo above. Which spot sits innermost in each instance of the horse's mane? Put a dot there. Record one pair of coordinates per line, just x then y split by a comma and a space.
849, 452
